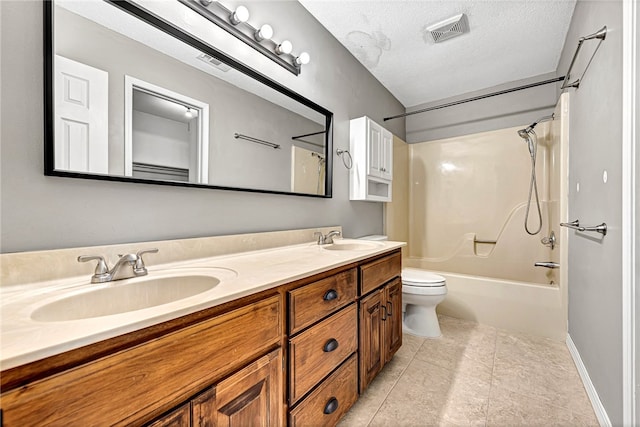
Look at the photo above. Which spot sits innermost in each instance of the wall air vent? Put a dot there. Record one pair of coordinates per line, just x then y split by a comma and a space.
449, 28
214, 62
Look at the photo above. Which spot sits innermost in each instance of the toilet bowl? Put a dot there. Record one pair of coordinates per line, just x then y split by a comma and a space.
422, 291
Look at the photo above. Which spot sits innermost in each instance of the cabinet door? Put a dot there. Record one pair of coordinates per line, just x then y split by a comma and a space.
252, 396
393, 322
386, 155
374, 148
372, 354
180, 417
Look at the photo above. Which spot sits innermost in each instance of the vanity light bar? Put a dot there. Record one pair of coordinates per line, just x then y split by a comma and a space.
236, 23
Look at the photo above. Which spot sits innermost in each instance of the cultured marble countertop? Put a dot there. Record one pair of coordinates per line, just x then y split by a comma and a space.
24, 340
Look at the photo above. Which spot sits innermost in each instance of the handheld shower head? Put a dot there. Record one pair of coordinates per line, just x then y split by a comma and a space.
524, 133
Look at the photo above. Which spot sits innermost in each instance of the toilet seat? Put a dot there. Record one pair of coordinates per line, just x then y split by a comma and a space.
414, 277
424, 290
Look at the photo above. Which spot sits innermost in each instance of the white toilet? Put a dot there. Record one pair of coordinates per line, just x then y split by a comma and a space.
422, 291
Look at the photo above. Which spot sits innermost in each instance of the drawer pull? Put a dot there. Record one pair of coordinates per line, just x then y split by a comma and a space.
330, 345
331, 406
330, 295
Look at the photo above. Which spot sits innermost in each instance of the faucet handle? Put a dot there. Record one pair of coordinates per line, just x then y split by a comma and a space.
101, 268
139, 268
320, 237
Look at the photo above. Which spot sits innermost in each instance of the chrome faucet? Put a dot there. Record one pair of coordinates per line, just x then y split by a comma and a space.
548, 264
119, 271
328, 239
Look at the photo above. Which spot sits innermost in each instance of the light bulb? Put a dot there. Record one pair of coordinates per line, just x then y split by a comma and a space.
284, 47
303, 59
241, 14
189, 114
264, 32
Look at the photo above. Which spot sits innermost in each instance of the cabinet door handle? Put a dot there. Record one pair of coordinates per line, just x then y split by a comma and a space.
330, 295
330, 345
383, 308
390, 305
331, 406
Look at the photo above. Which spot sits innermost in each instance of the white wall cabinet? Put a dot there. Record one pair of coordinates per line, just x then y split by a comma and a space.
371, 147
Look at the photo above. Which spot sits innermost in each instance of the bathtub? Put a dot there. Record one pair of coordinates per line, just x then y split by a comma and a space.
505, 304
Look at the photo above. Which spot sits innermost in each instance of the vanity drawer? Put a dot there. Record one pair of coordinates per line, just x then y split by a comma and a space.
379, 272
319, 299
317, 351
331, 400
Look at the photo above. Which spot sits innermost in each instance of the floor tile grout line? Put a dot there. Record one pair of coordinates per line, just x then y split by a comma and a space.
394, 384
493, 370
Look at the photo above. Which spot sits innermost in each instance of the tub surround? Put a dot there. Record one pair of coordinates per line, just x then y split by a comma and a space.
252, 262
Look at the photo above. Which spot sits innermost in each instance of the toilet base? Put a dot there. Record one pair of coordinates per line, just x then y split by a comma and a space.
421, 321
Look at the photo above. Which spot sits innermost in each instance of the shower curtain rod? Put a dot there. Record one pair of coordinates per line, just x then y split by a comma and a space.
477, 98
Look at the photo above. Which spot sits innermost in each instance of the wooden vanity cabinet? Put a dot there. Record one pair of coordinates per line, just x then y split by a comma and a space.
380, 315
134, 385
250, 397
294, 354
323, 343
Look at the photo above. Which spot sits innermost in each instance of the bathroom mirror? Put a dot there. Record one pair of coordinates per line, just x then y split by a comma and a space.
131, 97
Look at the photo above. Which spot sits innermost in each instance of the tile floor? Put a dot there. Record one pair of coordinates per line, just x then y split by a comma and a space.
475, 375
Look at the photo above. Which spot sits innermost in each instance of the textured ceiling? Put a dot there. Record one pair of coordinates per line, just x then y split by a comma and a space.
508, 40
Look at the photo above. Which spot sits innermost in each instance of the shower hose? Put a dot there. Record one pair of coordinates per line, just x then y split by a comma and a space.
533, 185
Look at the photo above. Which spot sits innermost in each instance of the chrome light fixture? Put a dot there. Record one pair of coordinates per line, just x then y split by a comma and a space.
236, 22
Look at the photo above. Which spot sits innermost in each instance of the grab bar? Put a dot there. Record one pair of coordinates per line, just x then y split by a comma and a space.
488, 242
575, 225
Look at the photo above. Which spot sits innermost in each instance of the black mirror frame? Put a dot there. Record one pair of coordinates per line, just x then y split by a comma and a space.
167, 27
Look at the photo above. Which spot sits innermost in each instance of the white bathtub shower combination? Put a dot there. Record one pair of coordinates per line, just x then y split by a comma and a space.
466, 211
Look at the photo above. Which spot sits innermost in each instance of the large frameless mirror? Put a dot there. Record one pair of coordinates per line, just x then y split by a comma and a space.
132, 97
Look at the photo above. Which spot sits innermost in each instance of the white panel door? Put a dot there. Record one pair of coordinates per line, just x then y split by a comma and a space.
81, 117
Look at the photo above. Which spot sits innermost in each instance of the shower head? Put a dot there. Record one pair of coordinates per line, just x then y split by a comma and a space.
524, 133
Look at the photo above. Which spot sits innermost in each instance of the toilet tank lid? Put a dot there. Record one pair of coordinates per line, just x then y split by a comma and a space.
419, 277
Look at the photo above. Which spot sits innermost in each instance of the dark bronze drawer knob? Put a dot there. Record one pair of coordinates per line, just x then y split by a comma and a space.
330, 295
331, 406
330, 345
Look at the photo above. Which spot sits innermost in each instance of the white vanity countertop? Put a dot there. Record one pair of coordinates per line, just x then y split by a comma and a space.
25, 340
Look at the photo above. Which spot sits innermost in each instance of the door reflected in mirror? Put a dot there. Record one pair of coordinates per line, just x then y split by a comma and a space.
166, 134
133, 102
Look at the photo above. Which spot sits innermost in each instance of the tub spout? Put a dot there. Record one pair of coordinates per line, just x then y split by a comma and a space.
547, 264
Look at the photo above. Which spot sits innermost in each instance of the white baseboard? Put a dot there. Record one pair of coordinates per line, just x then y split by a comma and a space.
598, 408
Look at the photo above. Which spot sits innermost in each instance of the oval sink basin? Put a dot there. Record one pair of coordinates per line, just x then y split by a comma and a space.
352, 246
116, 298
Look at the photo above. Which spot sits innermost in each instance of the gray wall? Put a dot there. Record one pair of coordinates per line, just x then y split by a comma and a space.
595, 134
41, 212
498, 112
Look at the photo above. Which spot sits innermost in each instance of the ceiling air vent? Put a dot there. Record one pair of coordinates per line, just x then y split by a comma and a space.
449, 28
214, 62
